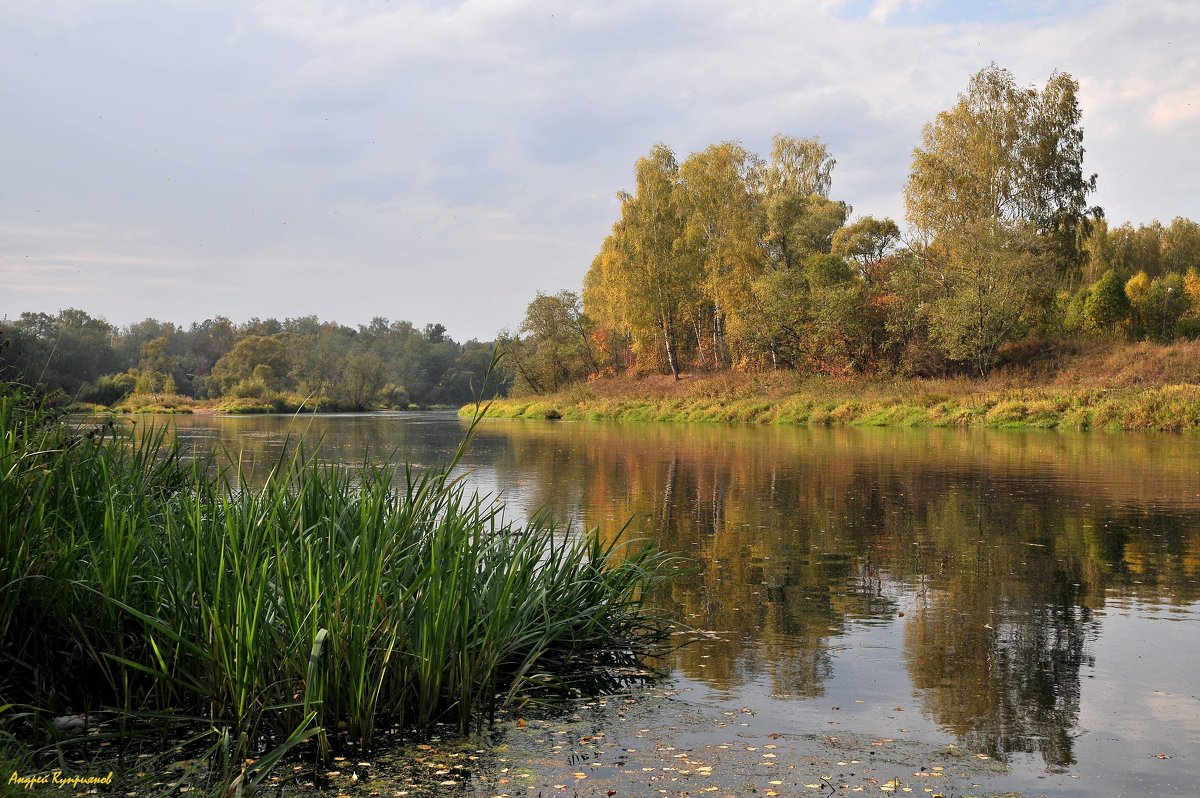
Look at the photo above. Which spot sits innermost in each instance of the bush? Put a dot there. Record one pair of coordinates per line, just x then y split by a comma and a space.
109, 389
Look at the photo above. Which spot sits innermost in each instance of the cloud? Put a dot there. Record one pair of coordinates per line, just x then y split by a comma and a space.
406, 159
884, 9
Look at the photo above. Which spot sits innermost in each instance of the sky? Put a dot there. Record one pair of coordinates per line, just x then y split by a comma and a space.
441, 161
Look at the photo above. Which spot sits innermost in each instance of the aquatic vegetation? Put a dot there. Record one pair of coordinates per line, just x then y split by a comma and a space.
139, 590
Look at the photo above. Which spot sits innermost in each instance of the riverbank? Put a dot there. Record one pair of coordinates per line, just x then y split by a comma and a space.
1123, 387
176, 404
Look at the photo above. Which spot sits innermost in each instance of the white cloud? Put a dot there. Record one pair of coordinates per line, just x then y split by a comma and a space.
402, 142
884, 9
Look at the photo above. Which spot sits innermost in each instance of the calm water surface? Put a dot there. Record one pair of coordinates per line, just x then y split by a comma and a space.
1032, 596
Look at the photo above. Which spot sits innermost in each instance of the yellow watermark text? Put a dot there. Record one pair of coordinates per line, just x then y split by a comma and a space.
56, 778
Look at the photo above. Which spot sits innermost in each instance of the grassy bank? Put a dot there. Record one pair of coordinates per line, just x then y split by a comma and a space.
141, 596
167, 404
1134, 387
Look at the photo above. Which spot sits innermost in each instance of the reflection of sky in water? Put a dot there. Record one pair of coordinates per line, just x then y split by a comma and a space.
1030, 595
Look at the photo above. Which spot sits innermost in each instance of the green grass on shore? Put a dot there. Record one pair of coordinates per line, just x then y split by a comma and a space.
1172, 408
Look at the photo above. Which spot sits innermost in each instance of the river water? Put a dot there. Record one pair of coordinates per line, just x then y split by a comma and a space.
1026, 600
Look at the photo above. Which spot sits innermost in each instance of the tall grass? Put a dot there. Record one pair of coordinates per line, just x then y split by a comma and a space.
321, 604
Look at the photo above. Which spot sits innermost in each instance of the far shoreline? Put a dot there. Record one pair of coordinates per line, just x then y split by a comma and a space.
1141, 387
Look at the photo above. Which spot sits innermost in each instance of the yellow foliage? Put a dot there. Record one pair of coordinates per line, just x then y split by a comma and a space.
1137, 288
1191, 286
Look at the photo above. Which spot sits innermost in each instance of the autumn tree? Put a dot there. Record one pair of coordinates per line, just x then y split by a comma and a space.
651, 281
1011, 155
779, 317
1003, 169
800, 217
1157, 305
723, 229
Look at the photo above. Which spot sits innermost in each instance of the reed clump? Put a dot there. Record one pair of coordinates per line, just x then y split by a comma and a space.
137, 590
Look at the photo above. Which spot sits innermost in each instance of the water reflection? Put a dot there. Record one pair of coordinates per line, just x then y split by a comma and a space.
996, 548
996, 553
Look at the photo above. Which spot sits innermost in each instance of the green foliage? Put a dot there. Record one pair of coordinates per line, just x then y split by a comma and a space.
866, 243
325, 364
109, 389
61, 352
998, 193
823, 271
779, 303
990, 277
1106, 308
553, 347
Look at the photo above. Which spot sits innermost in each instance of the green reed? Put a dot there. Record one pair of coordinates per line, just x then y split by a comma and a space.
321, 604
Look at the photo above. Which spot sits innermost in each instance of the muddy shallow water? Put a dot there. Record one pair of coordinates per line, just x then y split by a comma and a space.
943, 611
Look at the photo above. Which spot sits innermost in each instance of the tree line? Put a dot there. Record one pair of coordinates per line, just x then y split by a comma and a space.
733, 260
264, 363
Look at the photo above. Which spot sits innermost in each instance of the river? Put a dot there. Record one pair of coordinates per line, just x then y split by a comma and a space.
1025, 604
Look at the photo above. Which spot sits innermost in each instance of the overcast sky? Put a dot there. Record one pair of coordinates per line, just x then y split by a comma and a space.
443, 161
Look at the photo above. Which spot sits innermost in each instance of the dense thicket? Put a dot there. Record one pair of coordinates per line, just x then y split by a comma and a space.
303, 360
732, 260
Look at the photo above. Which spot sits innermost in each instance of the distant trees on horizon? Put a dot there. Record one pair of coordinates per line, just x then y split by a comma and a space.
381, 364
